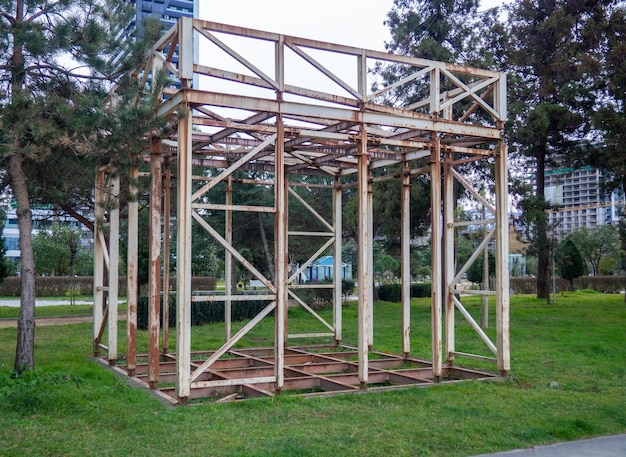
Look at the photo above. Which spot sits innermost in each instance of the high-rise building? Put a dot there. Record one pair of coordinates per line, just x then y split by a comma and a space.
169, 11
580, 200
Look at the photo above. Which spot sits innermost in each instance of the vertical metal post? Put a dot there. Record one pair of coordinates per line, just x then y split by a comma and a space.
183, 256
405, 238
114, 257
502, 261
449, 261
366, 224
132, 272
370, 258
364, 248
338, 273
280, 260
485, 299
436, 226
154, 269
228, 260
98, 274
280, 226
166, 257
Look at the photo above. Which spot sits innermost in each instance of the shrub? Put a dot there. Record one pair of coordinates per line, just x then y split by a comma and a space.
390, 292
393, 292
201, 312
60, 286
347, 288
421, 290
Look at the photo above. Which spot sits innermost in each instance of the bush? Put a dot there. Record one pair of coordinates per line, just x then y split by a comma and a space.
347, 288
61, 286
393, 292
605, 284
390, 292
201, 312
421, 290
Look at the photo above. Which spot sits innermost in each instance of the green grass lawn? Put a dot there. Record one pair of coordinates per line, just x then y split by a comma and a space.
568, 381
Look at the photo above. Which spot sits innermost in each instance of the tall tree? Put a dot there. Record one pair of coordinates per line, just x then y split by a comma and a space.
610, 118
552, 94
39, 114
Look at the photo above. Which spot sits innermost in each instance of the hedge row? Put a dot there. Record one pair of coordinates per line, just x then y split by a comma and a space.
605, 284
393, 292
202, 312
52, 286
59, 286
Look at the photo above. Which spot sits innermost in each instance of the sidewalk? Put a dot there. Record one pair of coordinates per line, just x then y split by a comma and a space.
606, 446
15, 303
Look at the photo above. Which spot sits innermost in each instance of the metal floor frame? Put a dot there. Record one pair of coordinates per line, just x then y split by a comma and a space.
315, 370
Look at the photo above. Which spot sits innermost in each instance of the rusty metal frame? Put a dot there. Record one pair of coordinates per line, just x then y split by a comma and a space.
250, 111
106, 262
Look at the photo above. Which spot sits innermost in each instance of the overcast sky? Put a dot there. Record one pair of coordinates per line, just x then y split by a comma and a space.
351, 22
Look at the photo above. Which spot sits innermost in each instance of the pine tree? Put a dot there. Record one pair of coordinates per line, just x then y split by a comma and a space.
571, 263
551, 45
54, 61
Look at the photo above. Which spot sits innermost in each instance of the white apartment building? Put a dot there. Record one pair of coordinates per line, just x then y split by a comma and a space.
580, 199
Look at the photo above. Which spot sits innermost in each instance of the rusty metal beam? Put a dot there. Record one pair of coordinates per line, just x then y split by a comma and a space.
437, 263
132, 272
99, 248
502, 259
167, 206
449, 257
364, 273
154, 268
114, 255
183, 257
405, 238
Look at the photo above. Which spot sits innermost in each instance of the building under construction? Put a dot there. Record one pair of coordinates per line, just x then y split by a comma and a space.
291, 107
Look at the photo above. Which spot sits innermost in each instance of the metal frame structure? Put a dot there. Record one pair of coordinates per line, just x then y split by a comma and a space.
283, 105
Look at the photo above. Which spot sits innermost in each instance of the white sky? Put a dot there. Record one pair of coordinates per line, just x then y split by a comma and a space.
357, 23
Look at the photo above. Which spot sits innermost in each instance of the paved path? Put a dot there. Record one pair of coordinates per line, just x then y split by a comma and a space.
15, 303
606, 446
46, 321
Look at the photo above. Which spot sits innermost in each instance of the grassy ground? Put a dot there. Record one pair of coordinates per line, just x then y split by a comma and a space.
568, 382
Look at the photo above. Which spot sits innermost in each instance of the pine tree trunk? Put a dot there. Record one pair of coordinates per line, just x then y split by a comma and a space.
543, 255
25, 348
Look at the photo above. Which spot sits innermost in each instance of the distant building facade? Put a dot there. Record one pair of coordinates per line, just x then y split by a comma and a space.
323, 268
43, 219
580, 200
168, 11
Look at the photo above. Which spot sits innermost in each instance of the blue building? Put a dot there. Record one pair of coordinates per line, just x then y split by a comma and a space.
322, 270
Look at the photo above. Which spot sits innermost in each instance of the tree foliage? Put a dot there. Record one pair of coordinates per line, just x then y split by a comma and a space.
475, 272
60, 251
596, 243
553, 61
570, 261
